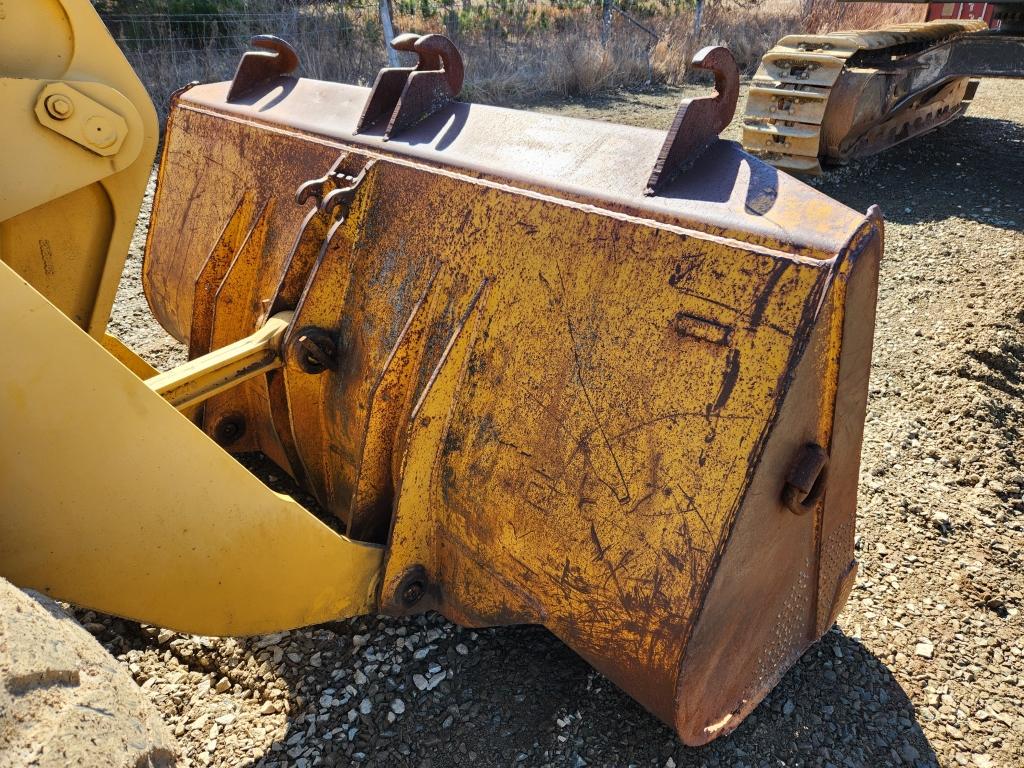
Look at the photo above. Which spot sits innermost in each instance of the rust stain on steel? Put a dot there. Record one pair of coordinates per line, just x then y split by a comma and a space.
213, 170
556, 155
209, 280
758, 627
300, 259
390, 405
705, 329
235, 315
555, 399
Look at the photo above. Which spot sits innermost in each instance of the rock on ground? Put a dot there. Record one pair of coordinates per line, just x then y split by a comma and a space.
63, 699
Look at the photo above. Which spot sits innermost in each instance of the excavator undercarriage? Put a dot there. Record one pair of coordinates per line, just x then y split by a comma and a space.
825, 99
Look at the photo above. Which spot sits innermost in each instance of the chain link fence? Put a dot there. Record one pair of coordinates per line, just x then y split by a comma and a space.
513, 48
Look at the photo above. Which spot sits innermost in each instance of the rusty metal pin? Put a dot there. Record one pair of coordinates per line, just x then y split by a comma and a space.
229, 429
412, 593
412, 587
805, 483
314, 350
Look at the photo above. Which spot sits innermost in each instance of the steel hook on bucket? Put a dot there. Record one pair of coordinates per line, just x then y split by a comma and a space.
698, 121
256, 68
436, 53
405, 96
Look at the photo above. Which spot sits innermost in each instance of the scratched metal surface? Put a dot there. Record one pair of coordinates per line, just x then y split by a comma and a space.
549, 402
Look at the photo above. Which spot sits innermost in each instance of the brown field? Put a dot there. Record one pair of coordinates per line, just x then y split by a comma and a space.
515, 51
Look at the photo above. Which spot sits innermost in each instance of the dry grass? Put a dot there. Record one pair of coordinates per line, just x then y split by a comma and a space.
515, 51
828, 16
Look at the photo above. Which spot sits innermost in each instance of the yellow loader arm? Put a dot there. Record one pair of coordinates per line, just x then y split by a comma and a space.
538, 370
110, 497
80, 134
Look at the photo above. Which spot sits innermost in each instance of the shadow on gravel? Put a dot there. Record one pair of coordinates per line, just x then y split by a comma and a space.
520, 697
972, 169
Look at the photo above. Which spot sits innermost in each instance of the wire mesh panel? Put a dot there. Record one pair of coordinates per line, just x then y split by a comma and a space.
334, 42
185, 32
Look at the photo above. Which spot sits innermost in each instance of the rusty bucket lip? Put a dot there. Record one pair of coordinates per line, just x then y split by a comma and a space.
725, 193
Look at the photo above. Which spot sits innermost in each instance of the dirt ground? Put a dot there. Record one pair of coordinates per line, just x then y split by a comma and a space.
926, 664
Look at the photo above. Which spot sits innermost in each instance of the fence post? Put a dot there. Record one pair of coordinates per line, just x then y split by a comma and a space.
389, 32
698, 11
451, 18
606, 20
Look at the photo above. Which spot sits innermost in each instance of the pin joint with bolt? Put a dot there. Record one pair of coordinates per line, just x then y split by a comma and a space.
314, 350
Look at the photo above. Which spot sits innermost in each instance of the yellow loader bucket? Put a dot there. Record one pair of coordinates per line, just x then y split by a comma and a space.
555, 399
536, 370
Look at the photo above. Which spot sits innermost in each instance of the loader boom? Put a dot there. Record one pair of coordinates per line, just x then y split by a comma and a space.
80, 134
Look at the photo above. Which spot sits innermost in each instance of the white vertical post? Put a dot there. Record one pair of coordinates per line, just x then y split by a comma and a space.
389, 32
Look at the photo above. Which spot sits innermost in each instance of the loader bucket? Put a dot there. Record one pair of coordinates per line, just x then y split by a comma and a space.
558, 388
531, 369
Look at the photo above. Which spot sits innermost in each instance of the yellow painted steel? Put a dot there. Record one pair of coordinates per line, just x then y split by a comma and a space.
562, 412
552, 398
220, 370
73, 115
127, 357
112, 500
551, 411
71, 176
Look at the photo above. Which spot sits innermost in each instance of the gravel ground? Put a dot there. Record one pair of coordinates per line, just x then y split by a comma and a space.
926, 664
